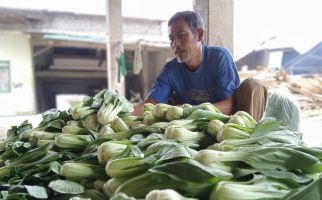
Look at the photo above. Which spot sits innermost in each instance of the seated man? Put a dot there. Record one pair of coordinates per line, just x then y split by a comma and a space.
201, 73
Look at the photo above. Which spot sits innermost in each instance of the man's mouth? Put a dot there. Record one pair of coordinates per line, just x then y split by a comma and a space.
178, 52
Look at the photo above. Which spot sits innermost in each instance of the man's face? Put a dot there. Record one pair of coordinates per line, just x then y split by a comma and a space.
183, 41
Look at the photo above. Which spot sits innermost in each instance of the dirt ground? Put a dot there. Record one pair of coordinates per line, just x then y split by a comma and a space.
307, 91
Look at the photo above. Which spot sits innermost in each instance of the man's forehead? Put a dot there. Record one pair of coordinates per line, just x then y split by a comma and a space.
180, 22
178, 27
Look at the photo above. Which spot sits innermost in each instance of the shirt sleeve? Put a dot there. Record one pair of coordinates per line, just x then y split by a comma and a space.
161, 89
227, 80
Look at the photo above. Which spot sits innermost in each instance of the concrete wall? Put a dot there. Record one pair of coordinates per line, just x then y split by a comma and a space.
218, 19
220, 23
16, 48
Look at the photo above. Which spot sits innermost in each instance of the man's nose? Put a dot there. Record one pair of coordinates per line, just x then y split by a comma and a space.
176, 43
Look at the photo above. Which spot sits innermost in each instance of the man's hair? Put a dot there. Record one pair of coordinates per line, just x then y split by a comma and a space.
193, 19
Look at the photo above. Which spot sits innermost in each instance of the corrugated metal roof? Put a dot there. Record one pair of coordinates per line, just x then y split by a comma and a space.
308, 63
79, 27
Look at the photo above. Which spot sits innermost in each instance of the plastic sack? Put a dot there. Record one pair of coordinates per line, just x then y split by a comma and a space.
282, 105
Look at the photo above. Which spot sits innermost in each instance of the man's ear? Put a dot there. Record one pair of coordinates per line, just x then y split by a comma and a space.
201, 33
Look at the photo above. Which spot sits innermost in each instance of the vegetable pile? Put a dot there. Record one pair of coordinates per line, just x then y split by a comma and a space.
97, 150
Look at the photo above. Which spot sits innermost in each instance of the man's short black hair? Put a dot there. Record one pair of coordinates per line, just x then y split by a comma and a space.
192, 18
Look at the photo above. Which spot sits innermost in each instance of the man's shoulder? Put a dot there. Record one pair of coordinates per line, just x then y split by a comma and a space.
221, 53
216, 49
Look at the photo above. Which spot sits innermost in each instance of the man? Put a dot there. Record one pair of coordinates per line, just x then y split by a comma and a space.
199, 73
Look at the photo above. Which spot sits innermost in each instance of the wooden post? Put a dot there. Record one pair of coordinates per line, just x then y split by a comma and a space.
114, 33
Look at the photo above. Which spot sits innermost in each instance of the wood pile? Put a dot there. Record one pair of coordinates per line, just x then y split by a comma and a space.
307, 90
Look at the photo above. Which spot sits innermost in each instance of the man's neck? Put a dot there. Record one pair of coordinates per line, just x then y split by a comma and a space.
195, 62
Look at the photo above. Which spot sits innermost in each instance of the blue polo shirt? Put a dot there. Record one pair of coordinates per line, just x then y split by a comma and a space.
215, 79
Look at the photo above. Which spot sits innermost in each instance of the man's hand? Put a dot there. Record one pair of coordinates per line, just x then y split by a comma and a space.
138, 108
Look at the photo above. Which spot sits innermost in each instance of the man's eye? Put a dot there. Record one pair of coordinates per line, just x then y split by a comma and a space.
182, 34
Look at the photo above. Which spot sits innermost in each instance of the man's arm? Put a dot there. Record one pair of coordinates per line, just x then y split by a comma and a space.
226, 105
138, 108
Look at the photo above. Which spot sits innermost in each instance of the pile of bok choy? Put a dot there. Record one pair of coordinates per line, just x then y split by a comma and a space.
98, 150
